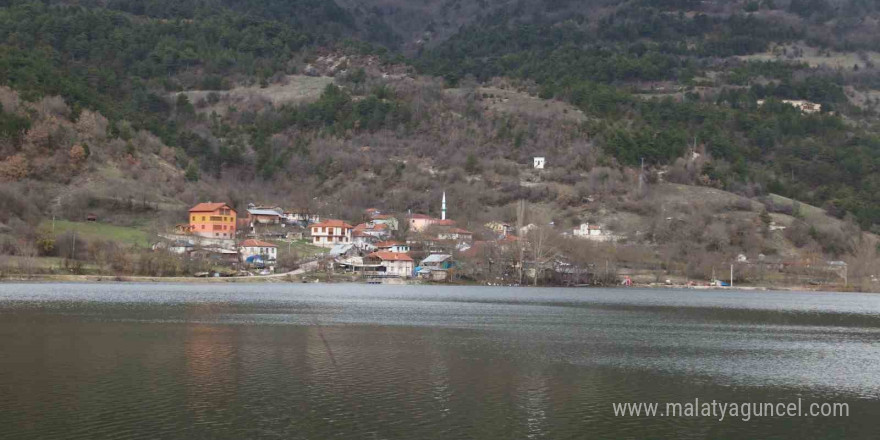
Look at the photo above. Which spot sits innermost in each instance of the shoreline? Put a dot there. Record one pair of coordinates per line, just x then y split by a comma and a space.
301, 279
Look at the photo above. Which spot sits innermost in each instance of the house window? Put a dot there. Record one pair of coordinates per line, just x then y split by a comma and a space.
216, 234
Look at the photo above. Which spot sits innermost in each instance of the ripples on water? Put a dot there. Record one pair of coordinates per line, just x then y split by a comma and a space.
357, 361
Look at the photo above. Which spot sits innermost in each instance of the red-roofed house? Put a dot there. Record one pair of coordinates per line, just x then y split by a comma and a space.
251, 247
214, 220
329, 233
395, 263
387, 219
420, 222
378, 230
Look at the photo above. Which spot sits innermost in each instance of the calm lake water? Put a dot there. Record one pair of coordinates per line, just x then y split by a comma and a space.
357, 361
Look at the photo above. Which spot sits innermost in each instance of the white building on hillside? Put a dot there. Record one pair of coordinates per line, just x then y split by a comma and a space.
331, 232
266, 251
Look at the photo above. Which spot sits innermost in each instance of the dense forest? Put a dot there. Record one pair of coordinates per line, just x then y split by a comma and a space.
656, 80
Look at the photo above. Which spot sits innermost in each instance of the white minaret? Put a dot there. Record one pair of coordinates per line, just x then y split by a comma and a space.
443, 211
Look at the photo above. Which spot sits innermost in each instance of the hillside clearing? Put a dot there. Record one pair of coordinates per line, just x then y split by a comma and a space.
498, 100
101, 231
292, 89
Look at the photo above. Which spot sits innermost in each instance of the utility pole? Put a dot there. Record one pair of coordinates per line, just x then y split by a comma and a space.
73, 251
520, 218
731, 275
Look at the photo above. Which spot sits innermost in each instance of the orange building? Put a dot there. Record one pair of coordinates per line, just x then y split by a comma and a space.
212, 220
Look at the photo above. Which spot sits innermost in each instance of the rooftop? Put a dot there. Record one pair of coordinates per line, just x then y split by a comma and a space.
436, 258
209, 207
390, 256
388, 244
259, 211
331, 223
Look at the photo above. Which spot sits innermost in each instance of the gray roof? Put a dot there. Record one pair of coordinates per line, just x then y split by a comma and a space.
436, 258
340, 249
263, 212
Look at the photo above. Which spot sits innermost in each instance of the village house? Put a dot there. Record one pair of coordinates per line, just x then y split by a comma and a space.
180, 247
586, 230
387, 219
220, 255
593, 232
377, 230
392, 246
301, 217
420, 222
437, 261
331, 232
500, 228
455, 234
342, 250
364, 241
435, 267
256, 248
264, 216
212, 220
395, 263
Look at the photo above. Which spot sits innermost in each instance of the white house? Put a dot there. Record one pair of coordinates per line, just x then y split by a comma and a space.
331, 232
456, 234
266, 251
300, 217
539, 163
395, 263
586, 230
392, 246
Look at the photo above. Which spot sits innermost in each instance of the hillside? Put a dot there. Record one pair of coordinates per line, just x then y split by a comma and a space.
135, 111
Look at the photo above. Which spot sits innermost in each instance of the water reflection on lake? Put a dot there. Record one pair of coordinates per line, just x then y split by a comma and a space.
358, 361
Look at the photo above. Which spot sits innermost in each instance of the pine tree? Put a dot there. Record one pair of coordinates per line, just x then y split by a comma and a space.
192, 172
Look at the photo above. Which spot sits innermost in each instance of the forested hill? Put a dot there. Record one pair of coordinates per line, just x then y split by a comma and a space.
712, 54
664, 81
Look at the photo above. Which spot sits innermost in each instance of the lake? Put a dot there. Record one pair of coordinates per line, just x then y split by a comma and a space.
314, 361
